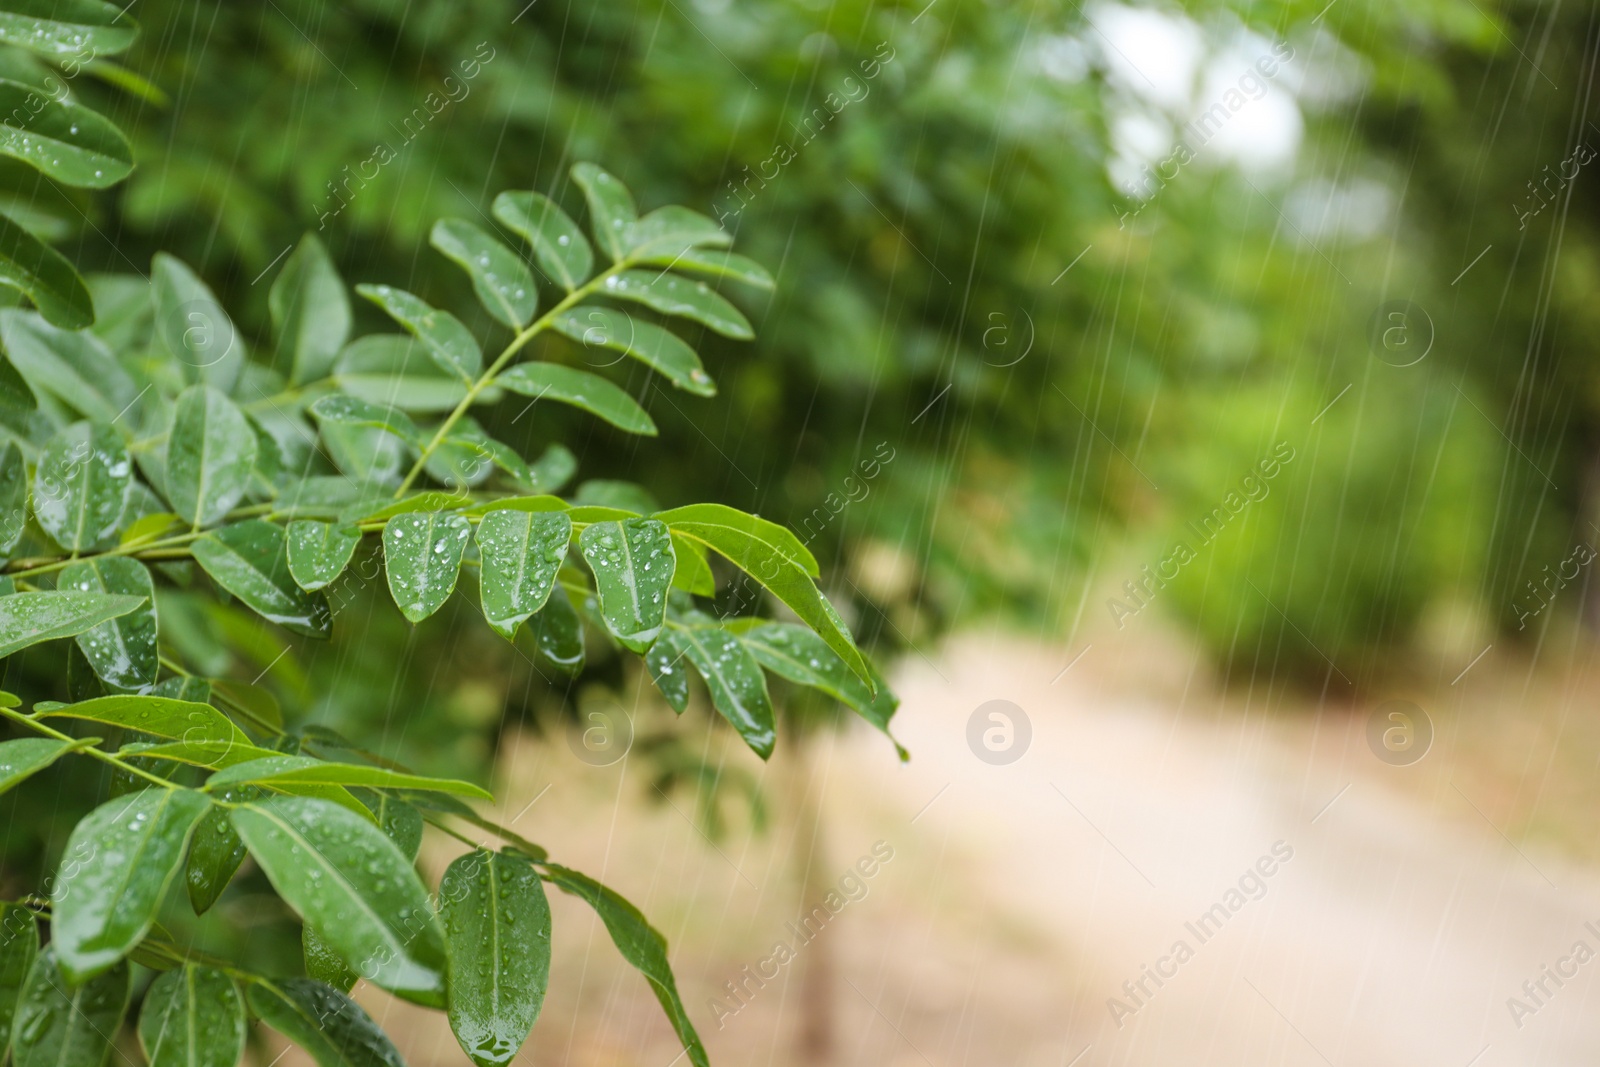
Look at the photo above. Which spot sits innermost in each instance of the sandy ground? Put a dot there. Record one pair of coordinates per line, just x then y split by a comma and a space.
1405, 904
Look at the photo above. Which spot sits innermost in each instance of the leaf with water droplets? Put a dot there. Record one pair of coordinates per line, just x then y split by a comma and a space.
310, 312
668, 664
344, 877
611, 210
324, 1022
323, 963
684, 297
28, 618
451, 344
422, 556
640, 944
343, 410
27, 756
65, 142
497, 932
210, 454
117, 866
633, 562
215, 851
592, 393
63, 1025
73, 366
81, 485
738, 688
193, 327
283, 771
660, 350
251, 560
192, 1017
67, 29
558, 633
320, 551
694, 569
669, 232
44, 276
13, 497
560, 248
399, 821
499, 277
19, 947
396, 370
798, 654
715, 264
522, 551
122, 651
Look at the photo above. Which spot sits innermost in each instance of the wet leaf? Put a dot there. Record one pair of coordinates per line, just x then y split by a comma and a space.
640, 945
81, 485
592, 393
395, 370
611, 210
673, 295
19, 947
668, 664
323, 963
215, 851
71, 365
61, 1025
310, 312
669, 232
320, 551
13, 497
559, 247
497, 932
44, 276
165, 717
193, 327
251, 560
558, 634
192, 1017
422, 556
282, 771
798, 654
210, 454
499, 277
350, 411
65, 142
715, 264
28, 618
350, 882
633, 563
67, 28
450, 343
662, 351
400, 822
117, 866
324, 1022
522, 551
122, 651
27, 756
738, 688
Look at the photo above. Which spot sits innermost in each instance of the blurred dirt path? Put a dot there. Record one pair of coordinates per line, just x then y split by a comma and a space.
1022, 897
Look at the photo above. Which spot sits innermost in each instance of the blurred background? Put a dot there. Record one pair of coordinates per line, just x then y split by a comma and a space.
1226, 375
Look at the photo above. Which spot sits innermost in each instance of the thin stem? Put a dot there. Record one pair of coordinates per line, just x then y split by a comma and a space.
155, 549
88, 750
538, 325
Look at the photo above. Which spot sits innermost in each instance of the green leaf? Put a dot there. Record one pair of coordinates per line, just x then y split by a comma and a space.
671, 231
640, 945
738, 688
560, 248
611, 210
592, 393
27, 756
614, 493
798, 654
323, 963
694, 569
371, 457
468, 456
282, 771
215, 852
63, 1025
326, 496
81, 485
660, 350
554, 467
633, 563
19, 947
422, 556
13, 497
320, 551
522, 552
65, 142
28, 618
672, 295
117, 866
121, 650
667, 662
210, 455
498, 274
558, 634
399, 821
497, 932
395, 370
192, 1017
324, 1022
67, 28
202, 753
310, 312
451, 344
165, 717
349, 411
388, 508
350, 882
73, 366
715, 264
192, 325
44, 276
251, 560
